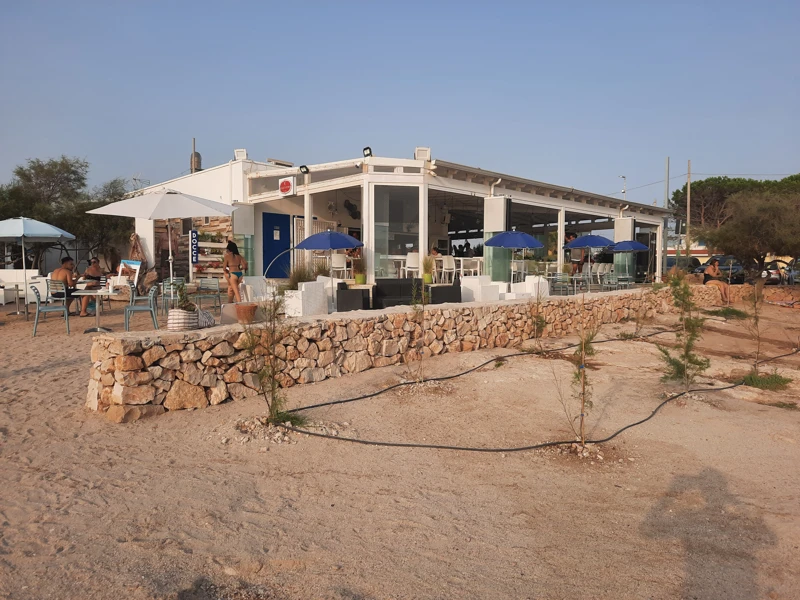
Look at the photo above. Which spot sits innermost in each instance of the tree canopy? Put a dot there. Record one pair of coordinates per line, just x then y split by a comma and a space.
56, 191
757, 223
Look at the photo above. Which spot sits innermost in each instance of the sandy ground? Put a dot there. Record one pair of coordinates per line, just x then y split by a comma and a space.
703, 501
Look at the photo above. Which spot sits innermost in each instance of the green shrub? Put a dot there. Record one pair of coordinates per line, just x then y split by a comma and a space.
772, 382
728, 313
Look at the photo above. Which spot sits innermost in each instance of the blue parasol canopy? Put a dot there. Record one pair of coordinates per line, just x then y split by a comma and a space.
589, 241
329, 240
629, 246
514, 239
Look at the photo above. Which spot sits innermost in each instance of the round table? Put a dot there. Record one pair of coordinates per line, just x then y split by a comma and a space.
97, 292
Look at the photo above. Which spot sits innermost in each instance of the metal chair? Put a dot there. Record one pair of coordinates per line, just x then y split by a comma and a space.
169, 290
150, 307
609, 282
561, 282
134, 297
44, 309
56, 287
208, 287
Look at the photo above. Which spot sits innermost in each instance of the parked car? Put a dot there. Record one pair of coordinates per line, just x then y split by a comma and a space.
776, 272
688, 263
732, 269
793, 272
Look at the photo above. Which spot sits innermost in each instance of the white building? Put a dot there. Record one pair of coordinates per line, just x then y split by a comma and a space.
398, 205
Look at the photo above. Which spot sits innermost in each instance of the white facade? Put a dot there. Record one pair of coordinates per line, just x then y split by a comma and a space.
403, 203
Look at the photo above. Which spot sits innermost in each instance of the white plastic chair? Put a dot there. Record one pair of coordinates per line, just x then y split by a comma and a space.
448, 272
469, 266
339, 264
412, 264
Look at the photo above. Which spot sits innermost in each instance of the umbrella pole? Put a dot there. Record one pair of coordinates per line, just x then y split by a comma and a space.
24, 279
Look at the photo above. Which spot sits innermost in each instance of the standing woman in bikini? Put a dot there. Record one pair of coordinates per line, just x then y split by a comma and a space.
234, 267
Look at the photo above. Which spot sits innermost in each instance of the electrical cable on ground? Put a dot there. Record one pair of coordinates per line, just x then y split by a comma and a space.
515, 448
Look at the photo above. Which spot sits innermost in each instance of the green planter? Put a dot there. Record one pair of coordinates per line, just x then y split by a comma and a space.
427, 278
361, 278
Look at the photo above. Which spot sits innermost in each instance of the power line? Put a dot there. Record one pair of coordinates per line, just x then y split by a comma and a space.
647, 184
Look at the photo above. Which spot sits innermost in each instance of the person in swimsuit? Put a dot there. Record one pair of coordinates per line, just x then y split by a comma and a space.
93, 274
66, 273
234, 266
712, 276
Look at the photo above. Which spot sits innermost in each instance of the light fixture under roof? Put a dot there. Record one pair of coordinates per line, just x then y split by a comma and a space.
304, 169
367, 152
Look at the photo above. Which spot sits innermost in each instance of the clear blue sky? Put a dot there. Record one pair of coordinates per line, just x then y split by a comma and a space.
569, 93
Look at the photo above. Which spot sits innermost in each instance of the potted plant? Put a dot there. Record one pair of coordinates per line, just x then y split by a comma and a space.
428, 264
359, 271
245, 312
184, 316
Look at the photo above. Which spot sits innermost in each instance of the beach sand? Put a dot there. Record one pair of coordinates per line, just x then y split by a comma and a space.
701, 501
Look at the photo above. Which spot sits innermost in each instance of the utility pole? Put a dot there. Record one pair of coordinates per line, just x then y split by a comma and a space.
666, 185
688, 207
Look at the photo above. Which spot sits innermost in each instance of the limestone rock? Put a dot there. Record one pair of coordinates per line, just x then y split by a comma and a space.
133, 378
93, 395
239, 391
123, 347
185, 395
314, 333
251, 380
356, 344
222, 349
325, 358
171, 361
356, 362
190, 356
233, 375
208, 380
191, 373
217, 394
311, 375
123, 394
128, 414
128, 363
155, 371
390, 348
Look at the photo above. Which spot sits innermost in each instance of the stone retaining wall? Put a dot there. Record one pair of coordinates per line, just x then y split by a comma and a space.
141, 374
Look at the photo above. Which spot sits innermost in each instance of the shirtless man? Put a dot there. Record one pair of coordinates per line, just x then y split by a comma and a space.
66, 273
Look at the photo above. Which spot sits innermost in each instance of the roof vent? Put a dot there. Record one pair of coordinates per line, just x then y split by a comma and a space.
422, 153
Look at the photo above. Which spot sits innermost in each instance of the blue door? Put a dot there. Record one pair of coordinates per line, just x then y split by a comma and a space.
276, 240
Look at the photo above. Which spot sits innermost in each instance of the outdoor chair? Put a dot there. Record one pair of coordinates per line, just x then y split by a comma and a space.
53, 288
169, 291
625, 281
609, 282
470, 267
412, 264
561, 283
103, 299
448, 271
134, 295
518, 271
44, 309
208, 287
339, 265
150, 307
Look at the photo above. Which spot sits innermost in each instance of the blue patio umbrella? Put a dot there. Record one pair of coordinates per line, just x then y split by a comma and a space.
329, 240
513, 239
589, 241
325, 240
629, 246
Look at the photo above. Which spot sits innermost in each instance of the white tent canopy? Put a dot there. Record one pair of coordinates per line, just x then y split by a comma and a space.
22, 229
165, 204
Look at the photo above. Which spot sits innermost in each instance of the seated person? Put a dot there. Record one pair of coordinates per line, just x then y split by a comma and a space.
435, 251
712, 276
66, 273
93, 273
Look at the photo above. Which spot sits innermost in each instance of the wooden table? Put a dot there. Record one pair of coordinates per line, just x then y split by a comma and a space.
97, 292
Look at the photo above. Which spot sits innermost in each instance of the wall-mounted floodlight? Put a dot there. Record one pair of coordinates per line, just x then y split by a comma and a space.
367, 152
304, 169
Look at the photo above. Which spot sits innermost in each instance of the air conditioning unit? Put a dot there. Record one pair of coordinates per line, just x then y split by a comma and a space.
422, 153
240, 154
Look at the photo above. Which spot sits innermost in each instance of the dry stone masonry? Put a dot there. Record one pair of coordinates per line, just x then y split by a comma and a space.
136, 375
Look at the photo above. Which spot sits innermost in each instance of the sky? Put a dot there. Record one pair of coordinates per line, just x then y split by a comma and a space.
570, 93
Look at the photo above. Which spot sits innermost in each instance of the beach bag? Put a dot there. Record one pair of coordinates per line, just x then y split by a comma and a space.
205, 319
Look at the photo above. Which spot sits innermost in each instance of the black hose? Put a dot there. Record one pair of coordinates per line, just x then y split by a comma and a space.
512, 449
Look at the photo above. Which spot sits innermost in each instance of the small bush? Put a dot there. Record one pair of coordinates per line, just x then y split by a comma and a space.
728, 313
295, 419
772, 382
786, 405
299, 273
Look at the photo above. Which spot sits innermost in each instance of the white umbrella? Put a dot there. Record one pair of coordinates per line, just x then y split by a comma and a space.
165, 204
20, 229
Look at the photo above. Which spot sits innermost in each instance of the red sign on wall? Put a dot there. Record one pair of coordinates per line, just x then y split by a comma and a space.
286, 186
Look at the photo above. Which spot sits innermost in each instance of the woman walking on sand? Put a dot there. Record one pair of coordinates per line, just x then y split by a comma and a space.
712, 276
234, 267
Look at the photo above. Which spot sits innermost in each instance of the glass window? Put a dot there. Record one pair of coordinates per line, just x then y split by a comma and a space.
396, 226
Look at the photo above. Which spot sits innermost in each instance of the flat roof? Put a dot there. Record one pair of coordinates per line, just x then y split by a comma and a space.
549, 187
